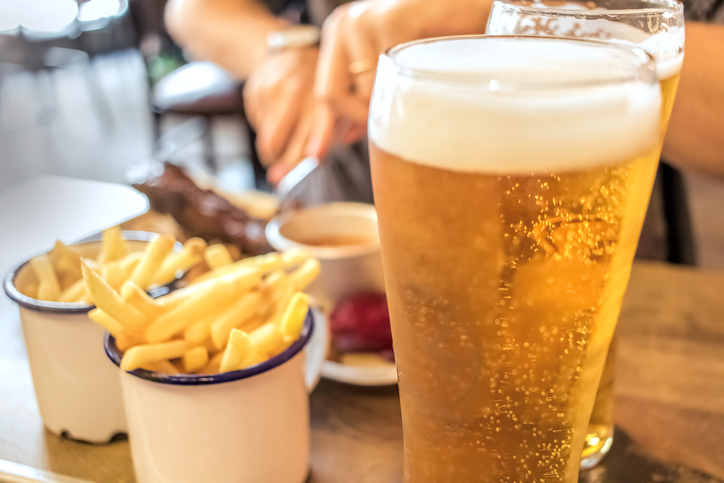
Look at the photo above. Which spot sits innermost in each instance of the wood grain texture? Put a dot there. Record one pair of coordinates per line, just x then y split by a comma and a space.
670, 372
669, 405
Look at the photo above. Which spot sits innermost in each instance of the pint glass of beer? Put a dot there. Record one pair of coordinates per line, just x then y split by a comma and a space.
511, 178
656, 26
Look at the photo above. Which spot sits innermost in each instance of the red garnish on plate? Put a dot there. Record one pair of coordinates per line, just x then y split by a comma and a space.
361, 323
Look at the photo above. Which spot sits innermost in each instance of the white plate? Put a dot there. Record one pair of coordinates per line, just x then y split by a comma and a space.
384, 375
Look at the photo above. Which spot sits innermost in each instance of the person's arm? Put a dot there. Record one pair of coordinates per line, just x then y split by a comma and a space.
695, 138
230, 33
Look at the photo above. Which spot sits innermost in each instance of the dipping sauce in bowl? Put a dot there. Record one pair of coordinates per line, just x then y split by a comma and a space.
336, 241
345, 240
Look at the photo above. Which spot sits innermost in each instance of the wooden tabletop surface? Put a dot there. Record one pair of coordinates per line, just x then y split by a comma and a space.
669, 400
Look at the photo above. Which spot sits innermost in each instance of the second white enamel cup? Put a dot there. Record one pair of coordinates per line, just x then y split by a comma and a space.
78, 391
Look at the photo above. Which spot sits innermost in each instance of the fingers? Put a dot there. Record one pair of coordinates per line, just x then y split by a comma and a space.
363, 51
295, 149
253, 99
334, 81
345, 77
276, 128
275, 95
352, 108
322, 131
332, 78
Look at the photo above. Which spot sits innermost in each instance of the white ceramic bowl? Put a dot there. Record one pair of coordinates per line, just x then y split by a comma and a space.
78, 390
345, 269
250, 425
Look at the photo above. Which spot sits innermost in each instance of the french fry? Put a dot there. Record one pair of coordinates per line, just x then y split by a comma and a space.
210, 347
273, 283
214, 364
46, 292
151, 261
123, 266
91, 263
49, 287
210, 297
132, 293
304, 275
62, 252
266, 263
74, 292
275, 287
217, 256
245, 279
191, 254
294, 315
29, 289
113, 246
200, 330
266, 339
108, 299
125, 337
112, 274
254, 358
65, 259
279, 306
196, 359
294, 257
262, 263
251, 324
68, 272
66, 263
162, 366
241, 311
141, 355
129, 263
238, 350
86, 298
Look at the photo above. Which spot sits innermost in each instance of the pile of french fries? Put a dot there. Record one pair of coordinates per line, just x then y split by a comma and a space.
234, 316
59, 277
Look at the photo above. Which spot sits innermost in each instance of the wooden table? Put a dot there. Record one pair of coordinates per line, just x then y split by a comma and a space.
669, 407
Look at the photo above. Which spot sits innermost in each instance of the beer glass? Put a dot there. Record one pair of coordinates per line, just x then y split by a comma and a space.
511, 177
656, 26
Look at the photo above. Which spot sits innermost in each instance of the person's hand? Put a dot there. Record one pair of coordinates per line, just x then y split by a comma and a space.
356, 34
279, 106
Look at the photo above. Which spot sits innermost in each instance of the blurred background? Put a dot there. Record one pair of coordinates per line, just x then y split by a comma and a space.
96, 88
85, 92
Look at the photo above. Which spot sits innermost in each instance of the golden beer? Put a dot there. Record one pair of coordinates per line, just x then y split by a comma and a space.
656, 26
599, 436
504, 274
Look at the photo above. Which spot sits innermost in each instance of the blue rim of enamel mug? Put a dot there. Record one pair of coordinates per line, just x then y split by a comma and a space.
62, 307
115, 355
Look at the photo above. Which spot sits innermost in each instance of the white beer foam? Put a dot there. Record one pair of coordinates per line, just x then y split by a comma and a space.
473, 127
669, 68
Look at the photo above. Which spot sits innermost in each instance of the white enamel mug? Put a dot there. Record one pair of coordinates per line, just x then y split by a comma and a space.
249, 426
345, 269
78, 390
